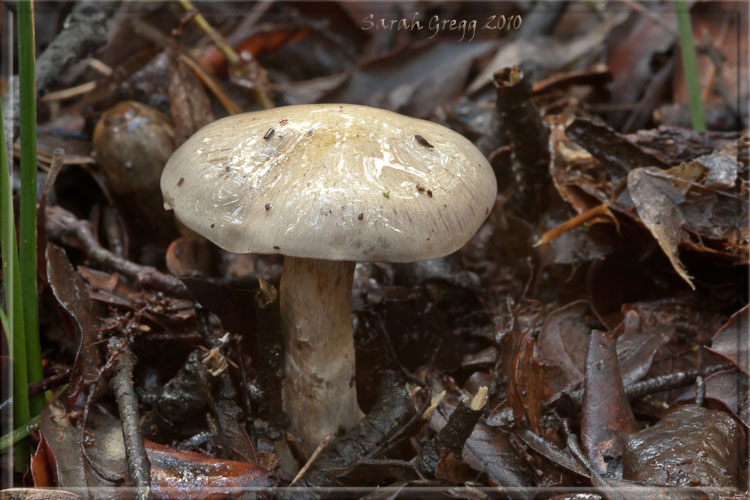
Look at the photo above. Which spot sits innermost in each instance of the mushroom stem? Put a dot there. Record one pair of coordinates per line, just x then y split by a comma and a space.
319, 392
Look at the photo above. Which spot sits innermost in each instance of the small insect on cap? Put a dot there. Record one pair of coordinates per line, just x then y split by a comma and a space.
330, 181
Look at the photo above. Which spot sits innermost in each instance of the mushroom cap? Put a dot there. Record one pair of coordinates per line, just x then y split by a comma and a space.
330, 181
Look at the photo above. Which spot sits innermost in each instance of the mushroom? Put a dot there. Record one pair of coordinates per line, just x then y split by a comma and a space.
328, 185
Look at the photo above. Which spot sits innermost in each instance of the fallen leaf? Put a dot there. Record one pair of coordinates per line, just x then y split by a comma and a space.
691, 446
73, 297
188, 102
564, 339
657, 204
40, 471
728, 387
607, 419
562, 345
613, 150
488, 450
527, 386
732, 340
174, 473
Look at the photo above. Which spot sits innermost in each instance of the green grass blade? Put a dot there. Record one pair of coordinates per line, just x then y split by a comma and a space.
689, 62
27, 219
14, 322
18, 434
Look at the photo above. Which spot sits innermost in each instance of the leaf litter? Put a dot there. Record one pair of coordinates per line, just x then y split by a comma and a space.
643, 259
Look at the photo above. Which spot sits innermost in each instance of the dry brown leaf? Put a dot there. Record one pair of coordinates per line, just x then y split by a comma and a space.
654, 199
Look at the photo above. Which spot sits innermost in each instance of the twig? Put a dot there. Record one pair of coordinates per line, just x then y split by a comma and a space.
69, 93
641, 113
522, 123
92, 394
209, 30
249, 22
310, 460
564, 227
121, 384
389, 414
453, 435
232, 57
396, 436
653, 385
48, 383
226, 101
391, 462
84, 30
653, 17
61, 223
700, 390
154, 35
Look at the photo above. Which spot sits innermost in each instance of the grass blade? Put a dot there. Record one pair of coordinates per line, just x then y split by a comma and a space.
13, 324
18, 434
690, 64
27, 220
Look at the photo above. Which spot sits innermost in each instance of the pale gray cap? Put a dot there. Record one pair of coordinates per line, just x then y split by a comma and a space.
330, 181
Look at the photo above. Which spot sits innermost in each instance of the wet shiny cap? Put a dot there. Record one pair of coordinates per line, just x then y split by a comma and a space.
330, 181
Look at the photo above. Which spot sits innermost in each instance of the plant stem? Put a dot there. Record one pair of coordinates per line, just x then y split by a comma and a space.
18, 433
27, 220
690, 65
13, 324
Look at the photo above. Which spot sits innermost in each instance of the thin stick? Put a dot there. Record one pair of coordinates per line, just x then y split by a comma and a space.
231, 107
312, 458
49, 383
152, 34
121, 384
59, 95
232, 57
209, 30
564, 227
61, 224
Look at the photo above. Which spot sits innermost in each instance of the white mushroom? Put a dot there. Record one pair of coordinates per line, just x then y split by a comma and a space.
328, 185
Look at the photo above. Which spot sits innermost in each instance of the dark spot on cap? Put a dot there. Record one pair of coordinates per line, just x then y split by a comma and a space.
182, 179
486, 211
422, 141
268, 207
309, 133
361, 216
268, 134
283, 121
227, 168
275, 247
420, 188
212, 226
429, 193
